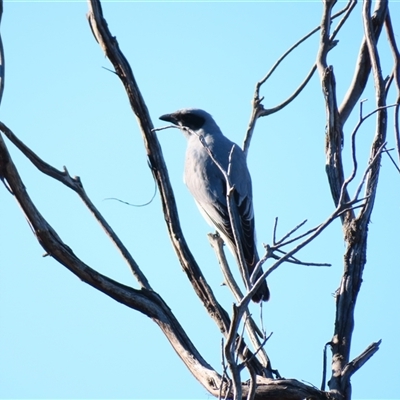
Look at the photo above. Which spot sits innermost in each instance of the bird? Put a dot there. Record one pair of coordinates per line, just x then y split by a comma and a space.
208, 150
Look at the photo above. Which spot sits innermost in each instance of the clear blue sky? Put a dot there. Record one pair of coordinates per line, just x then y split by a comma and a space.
61, 338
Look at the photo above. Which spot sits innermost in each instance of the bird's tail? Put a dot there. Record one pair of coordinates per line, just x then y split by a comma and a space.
262, 293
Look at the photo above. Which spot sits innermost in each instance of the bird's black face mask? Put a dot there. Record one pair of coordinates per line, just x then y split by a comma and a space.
192, 121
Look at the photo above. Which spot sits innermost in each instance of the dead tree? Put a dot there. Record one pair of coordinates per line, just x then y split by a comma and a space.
353, 210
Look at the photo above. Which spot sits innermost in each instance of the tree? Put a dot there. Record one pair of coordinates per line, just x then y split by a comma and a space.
347, 208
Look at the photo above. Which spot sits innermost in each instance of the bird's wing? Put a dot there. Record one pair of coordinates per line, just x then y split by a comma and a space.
216, 212
208, 187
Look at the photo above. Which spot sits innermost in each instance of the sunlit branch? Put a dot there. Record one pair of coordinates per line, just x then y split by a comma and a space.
252, 329
109, 44
146, 301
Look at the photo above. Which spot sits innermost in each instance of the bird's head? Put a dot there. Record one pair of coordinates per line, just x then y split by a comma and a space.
192, 119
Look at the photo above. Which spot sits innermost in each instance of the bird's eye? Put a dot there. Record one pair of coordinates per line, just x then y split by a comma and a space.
192, 121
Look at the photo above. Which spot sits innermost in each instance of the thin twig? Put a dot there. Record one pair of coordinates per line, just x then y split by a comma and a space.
314, 233
263, 112
324, 357
290, 232
361, 120
257, 350
258, 109
295, 239
387, 151
347, 10
349, 6
294, 260
274, 230
368, 169
240, 337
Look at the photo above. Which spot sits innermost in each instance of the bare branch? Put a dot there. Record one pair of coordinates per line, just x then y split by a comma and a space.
259, 349
387, 151
145, 301
355, 229
294, 260
347, 11
353, 152
75, 184
371, 164
324, 357
396, 77
253, 382
258, 109
230, 354
217, 244
122, 68
296, 228
315, 232
264, 112
224, 372
295, 239
354, 365
252, 329
334, 132
381, 125
363, 65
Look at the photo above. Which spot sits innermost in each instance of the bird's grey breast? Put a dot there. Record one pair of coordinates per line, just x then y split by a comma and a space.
203, 176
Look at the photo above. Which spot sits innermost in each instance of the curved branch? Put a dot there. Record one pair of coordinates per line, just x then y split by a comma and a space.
373, 160
258, 109
396, 77
363, 65
347, 9
355, 231
158, 167
334, 129
75, 184
381, 123
145, 301
110, 47
264, 112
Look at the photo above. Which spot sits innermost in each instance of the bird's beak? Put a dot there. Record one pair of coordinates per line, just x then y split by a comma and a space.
169, 118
